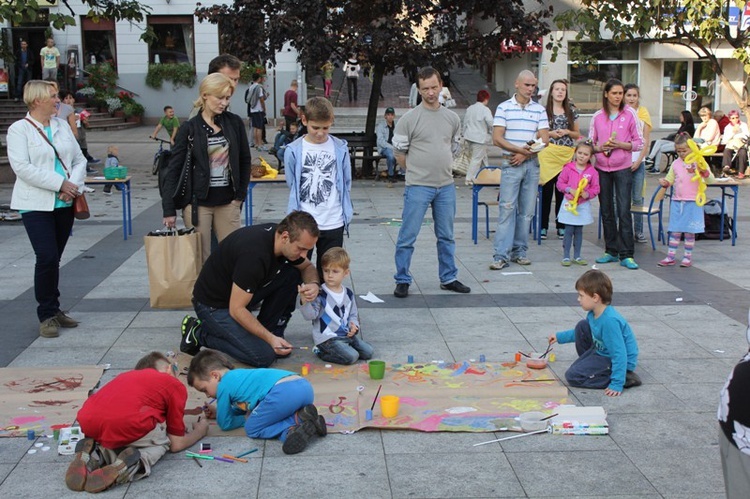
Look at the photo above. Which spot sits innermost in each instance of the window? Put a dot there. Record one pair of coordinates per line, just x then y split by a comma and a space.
99, 43
587, 81
174, 40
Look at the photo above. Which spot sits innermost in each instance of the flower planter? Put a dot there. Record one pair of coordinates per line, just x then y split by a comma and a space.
118, 114
135, 119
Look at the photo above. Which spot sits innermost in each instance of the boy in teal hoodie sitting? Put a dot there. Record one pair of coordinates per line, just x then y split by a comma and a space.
606, 346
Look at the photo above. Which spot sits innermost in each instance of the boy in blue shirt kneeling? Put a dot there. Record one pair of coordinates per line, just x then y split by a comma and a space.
606, 346
269, 403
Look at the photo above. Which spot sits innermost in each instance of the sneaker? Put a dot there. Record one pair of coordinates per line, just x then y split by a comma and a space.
94, 161
607, 258
629, 263
499, 265
91, 171
456, 286
88, 190
667, 262
649, 163
520, 260
561, 233
686, 262
272, 151
64, 320
580, 261
49, 328
310, 413
543, 235
117, 472
565, 262
653, 171
402, 290
631, 380
189, 342
298, 437
75, 477
640, 238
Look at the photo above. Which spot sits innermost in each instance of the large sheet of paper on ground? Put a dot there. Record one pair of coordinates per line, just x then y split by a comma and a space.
471, 397
42, 399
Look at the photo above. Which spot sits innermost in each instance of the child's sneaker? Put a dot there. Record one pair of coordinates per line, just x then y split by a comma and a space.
641, 238
298, 437
310, 413
667, 262
565, 262
561, 233
580, 261
75, 477
189, 342
631, 380
117, 472
686, 262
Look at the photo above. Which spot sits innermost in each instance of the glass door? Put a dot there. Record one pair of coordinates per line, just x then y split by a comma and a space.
678, 95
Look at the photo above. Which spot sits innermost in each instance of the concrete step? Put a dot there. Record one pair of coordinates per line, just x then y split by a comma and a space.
113, 124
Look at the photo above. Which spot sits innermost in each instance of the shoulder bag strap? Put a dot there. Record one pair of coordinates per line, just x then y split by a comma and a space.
57, 155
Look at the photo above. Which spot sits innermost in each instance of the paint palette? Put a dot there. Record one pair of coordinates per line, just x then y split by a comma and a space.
69, 437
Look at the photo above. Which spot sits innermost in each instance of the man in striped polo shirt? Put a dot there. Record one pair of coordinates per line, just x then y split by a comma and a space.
518, 121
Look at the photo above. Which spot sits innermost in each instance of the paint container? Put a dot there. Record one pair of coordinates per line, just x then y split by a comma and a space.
481, 358
305, 369
376, 369
56, 434
410, 359
532, 421
368, 415
536, 363
518, 356
31, 435
389, 406
551, 357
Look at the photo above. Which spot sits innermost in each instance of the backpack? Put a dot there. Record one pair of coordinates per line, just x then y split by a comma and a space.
352, 70
252, 96
713, 222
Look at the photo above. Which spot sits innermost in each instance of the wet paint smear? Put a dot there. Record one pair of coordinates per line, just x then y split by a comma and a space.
35, 385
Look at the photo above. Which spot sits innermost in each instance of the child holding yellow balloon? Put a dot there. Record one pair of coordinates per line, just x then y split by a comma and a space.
579, 181
689, 175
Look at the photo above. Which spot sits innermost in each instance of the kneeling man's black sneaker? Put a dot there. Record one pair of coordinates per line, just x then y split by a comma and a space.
189, 342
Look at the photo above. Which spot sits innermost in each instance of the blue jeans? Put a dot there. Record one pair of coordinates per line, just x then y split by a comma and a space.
48, 233
390, 160
275, 414
417, 199
24, 75
637, 195
617, 187
345, 350
589, 370
221, 332
518, 191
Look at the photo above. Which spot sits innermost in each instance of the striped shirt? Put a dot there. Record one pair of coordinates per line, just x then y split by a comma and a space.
521, 122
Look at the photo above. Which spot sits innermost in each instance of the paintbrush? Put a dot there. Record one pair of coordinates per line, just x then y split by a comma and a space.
197, 462
549, 417
535, 380
248, 452
292, 348
376, 398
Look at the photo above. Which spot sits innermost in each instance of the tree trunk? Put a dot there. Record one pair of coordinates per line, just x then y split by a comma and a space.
741, 103
378, 69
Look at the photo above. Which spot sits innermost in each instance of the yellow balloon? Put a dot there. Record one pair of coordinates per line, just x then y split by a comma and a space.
573, 205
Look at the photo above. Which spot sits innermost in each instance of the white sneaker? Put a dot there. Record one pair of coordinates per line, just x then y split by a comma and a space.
88, 189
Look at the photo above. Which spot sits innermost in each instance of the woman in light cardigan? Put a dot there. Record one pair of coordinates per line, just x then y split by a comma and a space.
44, 192
615, 133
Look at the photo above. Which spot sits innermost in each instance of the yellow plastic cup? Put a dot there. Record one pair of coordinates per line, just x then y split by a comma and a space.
389, 406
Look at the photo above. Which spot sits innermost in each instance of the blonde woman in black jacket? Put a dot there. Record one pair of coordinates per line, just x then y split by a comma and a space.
220, 166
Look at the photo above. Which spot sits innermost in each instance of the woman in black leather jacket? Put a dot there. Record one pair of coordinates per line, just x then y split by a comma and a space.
219, 166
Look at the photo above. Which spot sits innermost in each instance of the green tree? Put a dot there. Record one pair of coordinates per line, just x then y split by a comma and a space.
18, 11
701, 25
389, 34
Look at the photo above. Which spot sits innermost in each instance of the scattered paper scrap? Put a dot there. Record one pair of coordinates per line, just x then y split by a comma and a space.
515, 273
370, 297
719, 351
678, 299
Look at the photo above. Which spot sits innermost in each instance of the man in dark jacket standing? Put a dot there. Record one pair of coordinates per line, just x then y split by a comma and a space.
24, 63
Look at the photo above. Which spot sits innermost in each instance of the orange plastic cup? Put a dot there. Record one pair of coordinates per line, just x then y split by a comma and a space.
389, 406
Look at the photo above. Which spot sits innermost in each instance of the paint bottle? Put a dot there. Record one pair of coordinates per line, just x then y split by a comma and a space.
31, 435
410, 359
481, 358
305, 369
518, 356
368, 415
552, 357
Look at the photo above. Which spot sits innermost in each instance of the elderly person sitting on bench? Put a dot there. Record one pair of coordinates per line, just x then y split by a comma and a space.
735, 141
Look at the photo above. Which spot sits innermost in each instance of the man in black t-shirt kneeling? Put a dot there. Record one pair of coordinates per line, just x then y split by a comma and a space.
267, 263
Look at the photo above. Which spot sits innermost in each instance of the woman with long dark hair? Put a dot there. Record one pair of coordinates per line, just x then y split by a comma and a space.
615, 133
665, 145
563, 132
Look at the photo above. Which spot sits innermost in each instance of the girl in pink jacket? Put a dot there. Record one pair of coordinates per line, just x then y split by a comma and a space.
576, 209
615, 133
685, 216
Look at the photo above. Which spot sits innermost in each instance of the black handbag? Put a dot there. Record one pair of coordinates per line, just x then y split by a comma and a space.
184, 194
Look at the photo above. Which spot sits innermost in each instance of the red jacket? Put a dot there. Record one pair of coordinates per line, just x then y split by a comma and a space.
570, 177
